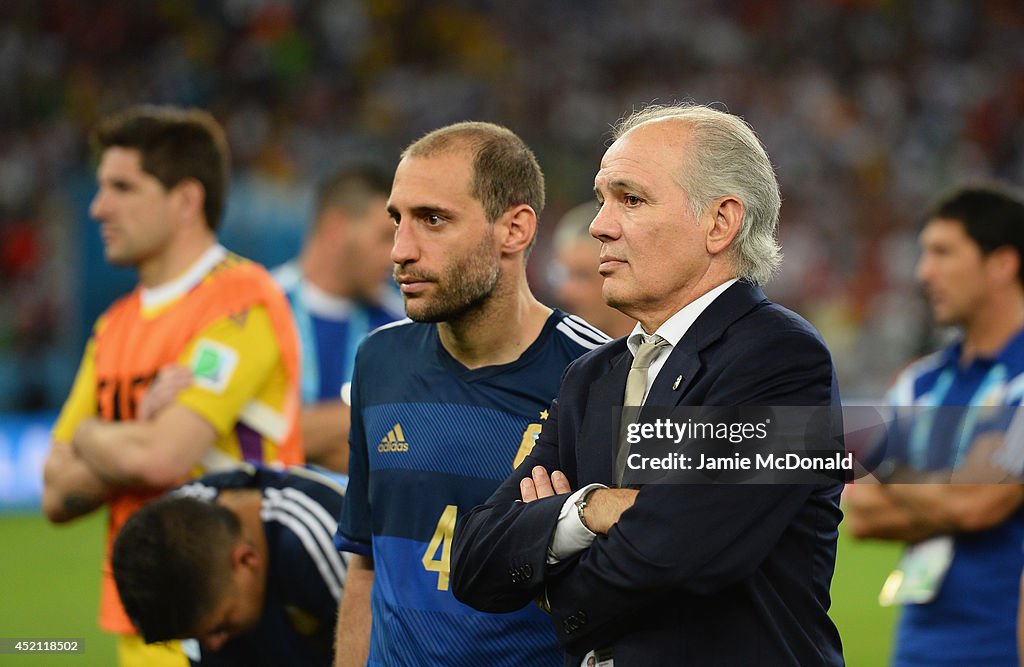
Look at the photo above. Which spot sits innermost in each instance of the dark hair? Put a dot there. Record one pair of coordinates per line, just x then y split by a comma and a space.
351, 186
169, 561
992, 215
505, 170
175, 144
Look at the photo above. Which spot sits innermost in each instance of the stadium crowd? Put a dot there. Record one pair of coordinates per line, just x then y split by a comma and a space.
868, 108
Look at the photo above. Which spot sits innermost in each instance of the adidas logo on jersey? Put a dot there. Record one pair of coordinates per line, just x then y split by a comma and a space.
394, 441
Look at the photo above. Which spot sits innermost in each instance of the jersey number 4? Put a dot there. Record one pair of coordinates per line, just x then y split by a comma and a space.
438, 556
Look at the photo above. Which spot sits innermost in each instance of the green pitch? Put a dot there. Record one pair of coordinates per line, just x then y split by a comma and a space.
50, 586
50, 578
866, 628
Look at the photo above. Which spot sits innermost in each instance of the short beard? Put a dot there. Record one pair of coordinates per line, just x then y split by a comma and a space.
465, 286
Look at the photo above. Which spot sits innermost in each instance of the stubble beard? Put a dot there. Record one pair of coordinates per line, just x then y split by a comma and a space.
464, 286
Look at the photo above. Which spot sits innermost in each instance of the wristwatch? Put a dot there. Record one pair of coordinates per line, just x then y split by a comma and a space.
581, 504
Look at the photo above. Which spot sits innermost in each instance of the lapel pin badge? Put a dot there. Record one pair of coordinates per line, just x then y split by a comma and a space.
675, 385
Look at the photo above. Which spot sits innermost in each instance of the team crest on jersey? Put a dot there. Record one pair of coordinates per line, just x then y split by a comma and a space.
529, 439
212, 365
394, 441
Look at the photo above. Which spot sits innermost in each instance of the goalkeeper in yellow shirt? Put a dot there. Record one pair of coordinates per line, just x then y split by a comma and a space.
214, 326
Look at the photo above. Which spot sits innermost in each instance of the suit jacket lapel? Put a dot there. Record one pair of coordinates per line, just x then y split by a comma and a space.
597, 441
598, 438
681, 366
684, 363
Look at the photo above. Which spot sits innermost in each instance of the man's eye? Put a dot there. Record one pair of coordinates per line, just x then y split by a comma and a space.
434, 219
632, 200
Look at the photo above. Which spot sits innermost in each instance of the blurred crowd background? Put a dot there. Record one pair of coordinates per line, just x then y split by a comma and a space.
869, 108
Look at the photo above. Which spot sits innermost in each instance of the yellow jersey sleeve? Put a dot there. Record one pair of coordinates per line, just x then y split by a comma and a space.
232, 361
81, 402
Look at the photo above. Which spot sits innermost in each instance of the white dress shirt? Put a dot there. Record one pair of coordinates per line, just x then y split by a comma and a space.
571, 536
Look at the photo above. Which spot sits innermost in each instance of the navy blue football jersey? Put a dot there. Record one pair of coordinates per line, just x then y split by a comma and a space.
306, 574
430, 439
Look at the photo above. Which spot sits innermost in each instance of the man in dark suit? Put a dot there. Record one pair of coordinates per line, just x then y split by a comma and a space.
671, 573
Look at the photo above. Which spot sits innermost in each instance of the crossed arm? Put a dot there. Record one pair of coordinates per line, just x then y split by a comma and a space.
70, 487
155, 453
156, 450
604, 506
976, 497
642, 553
914, 512
634, 560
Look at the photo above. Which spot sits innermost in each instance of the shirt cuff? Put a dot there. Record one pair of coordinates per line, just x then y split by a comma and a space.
571, 536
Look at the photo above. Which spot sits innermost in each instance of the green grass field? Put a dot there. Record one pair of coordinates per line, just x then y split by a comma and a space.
50, 588
866, 628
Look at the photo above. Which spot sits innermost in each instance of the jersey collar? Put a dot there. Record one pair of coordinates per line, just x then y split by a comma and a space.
156, 297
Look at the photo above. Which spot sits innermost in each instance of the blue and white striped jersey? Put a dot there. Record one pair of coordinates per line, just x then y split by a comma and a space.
330, 330
942, 406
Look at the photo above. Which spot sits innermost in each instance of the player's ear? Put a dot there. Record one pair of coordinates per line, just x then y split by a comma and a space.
189, 196
244, 554
1004, 264
332, 223
726, 217
518, 226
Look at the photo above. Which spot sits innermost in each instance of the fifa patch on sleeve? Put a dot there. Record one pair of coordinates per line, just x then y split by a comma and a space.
212, 365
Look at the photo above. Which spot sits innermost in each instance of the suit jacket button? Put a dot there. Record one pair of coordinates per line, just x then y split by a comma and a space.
527, 570
581, 618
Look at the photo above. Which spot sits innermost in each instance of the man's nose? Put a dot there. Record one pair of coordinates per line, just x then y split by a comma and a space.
603, 227
98, 206
405, 248
923, 270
